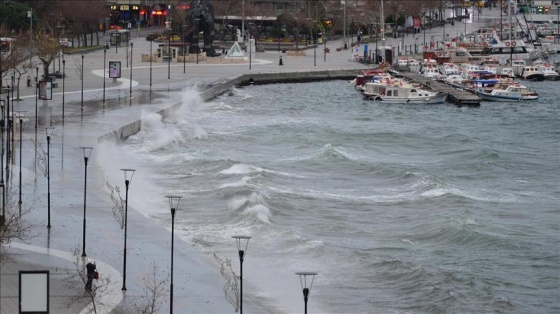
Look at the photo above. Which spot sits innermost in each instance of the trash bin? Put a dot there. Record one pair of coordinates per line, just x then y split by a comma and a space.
28, 81
106, 45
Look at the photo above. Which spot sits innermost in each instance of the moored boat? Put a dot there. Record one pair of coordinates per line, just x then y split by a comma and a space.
532, 73
507, 92
405, 94
547, 70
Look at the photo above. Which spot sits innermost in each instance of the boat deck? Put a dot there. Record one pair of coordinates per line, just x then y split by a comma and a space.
456, 96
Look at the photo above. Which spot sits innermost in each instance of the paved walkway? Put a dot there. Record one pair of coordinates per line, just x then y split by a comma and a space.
197, 281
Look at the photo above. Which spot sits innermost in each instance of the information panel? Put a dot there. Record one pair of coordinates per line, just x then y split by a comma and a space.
45, 90
114, 69
34, 291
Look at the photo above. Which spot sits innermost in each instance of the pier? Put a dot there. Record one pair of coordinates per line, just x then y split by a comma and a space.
456, 96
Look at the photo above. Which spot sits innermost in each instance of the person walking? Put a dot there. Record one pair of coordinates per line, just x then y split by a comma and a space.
91, 270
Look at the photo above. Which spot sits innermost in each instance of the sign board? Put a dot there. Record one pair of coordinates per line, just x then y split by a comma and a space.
45, 90
114, 69
34, 291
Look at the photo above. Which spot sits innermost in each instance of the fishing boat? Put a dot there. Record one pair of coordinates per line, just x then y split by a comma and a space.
506, 50
507, 72
405, 94
430, 71
408, 64
532, 73
449, 68
548, 70
507, 92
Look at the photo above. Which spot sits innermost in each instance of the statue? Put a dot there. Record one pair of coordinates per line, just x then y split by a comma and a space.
201, 16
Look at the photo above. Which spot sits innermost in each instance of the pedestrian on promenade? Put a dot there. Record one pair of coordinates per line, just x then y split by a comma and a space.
91, 270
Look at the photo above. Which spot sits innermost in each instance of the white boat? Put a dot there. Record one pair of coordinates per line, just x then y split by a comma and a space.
431, 72
517, 65
548, 70
414, 65
507, 72
467, 70
507, 92
406, 94
402, 64
449, 68
505, 50
455, 80
532, 73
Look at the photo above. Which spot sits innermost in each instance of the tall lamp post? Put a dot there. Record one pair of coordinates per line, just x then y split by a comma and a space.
242, 243
82, 102
37, 98
173, 205
49, 131
63, 76
2, 126
183, 48
21, 115
169, 42
130, 88
104, 75
87, 153
151, 56
306, 284
3, 195
197, 20
128, 174
251, 44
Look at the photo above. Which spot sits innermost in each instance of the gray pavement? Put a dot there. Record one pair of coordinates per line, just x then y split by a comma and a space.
197, 281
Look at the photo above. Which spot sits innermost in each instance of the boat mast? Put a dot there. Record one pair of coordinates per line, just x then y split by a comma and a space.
382, 35
382, 24
501, 20
510, 4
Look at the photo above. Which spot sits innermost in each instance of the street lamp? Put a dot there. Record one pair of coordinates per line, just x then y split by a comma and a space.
21, 115
251, 44
37, 98
104, 62
304, 282
128, 174
87, 153
130, 88
197, 20
150, 35
173, 205
183, 46
240, 240
49, 131
82, 102
2, 126
169, 42
63, 77
3, 195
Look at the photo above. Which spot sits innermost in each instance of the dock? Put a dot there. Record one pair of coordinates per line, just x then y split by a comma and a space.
456, 96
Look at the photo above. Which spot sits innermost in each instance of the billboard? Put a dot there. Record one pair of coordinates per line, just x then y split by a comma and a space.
45, 90
114, 69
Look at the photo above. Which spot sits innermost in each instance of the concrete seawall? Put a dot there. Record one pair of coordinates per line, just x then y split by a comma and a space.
224, 85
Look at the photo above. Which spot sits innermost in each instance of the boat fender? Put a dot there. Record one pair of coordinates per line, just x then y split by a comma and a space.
507, 43
513, 43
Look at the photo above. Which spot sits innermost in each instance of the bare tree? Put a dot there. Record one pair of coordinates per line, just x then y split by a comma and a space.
46, 41
151, 300
12, 224
81, 18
